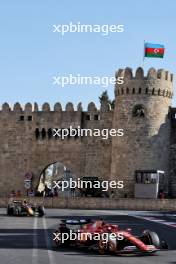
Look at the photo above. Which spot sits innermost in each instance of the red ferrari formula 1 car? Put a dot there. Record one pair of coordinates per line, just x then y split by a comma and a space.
105, 238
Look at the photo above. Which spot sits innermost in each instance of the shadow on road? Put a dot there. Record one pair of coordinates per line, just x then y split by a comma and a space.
22, 238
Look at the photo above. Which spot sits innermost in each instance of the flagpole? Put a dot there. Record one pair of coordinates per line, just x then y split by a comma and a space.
143, 55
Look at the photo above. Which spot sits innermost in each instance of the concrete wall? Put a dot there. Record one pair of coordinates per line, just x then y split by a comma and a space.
102, 203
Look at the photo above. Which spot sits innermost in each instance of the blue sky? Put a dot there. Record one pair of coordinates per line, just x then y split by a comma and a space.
31, 54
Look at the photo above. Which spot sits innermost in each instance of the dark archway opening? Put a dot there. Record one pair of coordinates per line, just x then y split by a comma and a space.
53, 181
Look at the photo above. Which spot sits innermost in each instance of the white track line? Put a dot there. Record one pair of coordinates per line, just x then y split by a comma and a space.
155, 220
35, 242
48, 244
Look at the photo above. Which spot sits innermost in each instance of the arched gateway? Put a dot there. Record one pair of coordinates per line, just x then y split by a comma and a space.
52, 178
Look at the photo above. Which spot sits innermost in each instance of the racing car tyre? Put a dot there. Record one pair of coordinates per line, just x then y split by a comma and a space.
164, 245
56, 242
151, 238
9, 211
102, 247
41, 211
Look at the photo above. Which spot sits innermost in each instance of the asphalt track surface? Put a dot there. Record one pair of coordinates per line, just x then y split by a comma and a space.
28, 240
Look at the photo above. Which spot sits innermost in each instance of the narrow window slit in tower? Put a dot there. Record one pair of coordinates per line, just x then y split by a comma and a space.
88, 117
21, 118
37, 133
29, 118
96, 117
50, 133
43, 132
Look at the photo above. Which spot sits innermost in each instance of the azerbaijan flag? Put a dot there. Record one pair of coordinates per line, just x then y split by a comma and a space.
154, 50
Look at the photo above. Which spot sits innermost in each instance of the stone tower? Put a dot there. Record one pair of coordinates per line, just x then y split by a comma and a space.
141, 109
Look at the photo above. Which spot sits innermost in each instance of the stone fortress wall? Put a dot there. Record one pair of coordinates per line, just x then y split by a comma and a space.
145, 144
28, 145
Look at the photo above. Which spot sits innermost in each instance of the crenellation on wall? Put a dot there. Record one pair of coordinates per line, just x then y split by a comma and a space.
6, 108
31, 116
46, 107
17, 108
91, 107
69, 107
139, 73
156, 83
57, 107
28, 108
152, 73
